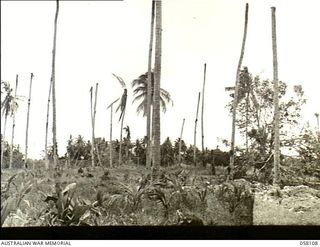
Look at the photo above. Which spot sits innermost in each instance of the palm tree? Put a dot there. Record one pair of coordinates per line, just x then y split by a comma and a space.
27, 128
202, 112
47, 127
180, 141
149, 96
92, 126
317, 117
195, 133
122, 107
276, 100
140, 89
93, 121
13, 126
156, 103
110, 145
53, 78
128, 140
235, 101
8, 108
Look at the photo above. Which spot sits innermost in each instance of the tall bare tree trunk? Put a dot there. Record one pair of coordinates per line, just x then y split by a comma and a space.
180, 141
235, 100
195, 134
94, 121
110, 145
13, 126
111, 115
92, 128
149, 148
27, 128
121, 130
157, 70
318, 125
3, 139
247, 120
276, 100
47, 127
53, 76
202, 112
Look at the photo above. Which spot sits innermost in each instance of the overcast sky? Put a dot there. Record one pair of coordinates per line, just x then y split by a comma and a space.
98, 38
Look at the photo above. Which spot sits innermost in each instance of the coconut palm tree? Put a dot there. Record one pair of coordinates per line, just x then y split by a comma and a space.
180, 141
27, 128
235, 101
13, 126
122, 108
276, 100
110, 145
157, 82
93, 107
149, 96
195, 133
92, 128
9, 106
53, 78
318, 126
140, 88
47, 128
128, 140
202, 112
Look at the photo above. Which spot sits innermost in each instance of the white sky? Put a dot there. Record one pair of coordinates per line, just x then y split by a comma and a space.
97, 38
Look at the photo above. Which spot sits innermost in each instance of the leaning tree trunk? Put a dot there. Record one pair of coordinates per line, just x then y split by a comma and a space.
27, 128
121, 130
148, 153
276, 100
195, 134
202, 112
157, 71
180, 141
92, 128
13, 126
47, 127
3, 139
235, 100
53, 76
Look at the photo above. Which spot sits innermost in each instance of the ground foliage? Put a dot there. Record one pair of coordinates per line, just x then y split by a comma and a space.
128, 195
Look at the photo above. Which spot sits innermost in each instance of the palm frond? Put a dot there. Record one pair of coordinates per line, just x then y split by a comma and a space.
228, 89
117, 109
113, 103
141, 80
142, 108
165, 95
163, 105
140, 89
140, 96
123, 84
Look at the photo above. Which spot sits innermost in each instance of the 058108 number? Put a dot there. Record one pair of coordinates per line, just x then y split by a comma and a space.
309, 243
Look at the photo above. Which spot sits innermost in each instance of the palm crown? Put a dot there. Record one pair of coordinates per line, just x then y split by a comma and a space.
140, 87
9, 105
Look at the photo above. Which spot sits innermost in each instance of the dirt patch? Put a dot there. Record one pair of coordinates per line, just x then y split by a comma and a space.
292, 205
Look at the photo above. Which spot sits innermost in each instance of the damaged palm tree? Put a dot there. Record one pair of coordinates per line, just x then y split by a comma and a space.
27, 128
13, 126
8, 108
122, 108
110, 145
235, 100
